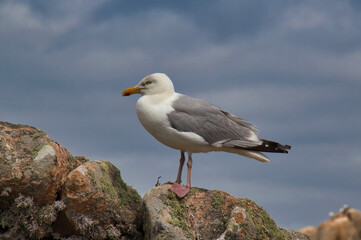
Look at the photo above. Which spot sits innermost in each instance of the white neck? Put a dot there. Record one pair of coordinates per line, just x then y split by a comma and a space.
159, 97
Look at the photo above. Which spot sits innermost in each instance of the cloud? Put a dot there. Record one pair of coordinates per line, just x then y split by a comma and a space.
330, 29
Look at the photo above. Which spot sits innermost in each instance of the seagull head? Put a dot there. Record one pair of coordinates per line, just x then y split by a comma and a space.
156, 83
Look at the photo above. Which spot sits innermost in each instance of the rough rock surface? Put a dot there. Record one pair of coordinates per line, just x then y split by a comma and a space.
46, 193
96, 197
31, 164
345, 225
205, 214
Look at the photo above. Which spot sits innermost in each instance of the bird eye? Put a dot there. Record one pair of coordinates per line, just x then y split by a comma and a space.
148, 82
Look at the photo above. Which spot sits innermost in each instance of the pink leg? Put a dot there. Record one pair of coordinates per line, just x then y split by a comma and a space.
189, 165
181, 190
181, 163
180, 169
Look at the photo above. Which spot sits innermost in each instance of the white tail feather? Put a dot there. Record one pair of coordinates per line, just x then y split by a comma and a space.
251, 154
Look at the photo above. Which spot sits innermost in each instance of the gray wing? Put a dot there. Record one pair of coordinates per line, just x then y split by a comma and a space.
216, 126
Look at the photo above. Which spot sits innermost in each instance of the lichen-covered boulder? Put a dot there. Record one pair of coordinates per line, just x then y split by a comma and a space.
99, 205
31, 164
205, 214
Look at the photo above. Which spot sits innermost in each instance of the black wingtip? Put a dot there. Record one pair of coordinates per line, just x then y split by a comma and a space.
283, 148
268, 146
271, 146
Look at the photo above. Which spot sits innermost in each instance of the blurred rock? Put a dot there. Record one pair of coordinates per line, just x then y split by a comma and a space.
205, 214
309, 231
345, 225
354, 216
31, 164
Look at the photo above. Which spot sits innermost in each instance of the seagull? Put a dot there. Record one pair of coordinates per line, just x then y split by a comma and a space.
192, 125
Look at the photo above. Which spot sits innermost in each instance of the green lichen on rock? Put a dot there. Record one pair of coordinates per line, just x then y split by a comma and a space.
112, 183
107, 178
41, 150
99, 204
75, 161
178, 213
218, 200
266, 228
92, 175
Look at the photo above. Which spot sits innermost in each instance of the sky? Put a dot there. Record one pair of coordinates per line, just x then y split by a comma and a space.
291, 68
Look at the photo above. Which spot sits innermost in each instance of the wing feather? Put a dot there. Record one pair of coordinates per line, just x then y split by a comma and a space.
216, 126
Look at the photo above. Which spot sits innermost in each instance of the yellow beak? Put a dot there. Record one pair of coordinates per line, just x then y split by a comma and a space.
130, 91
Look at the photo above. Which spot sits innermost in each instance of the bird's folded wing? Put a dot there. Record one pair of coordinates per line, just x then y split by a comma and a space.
216, 126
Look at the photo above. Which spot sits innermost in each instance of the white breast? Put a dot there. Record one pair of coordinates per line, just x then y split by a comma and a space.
152, 113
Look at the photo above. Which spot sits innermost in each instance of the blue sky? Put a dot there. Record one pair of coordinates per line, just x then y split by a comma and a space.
292, 68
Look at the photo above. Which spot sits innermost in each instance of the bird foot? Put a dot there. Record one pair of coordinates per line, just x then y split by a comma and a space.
180, 190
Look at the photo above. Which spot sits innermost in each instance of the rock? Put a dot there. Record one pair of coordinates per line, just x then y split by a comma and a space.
46, 193
205, 214
339, 228
354, 216
99, 204
345, 225
31, 164
26, 220
310, 231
